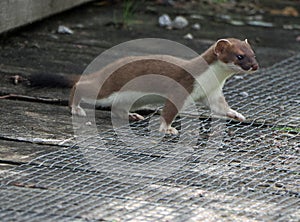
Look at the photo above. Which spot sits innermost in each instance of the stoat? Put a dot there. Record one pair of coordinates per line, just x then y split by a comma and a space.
175, 81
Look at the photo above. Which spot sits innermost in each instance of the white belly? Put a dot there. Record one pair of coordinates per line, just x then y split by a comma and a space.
134, 100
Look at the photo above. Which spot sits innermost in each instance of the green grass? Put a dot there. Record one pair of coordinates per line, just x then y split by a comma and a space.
287, 129
128, 11
129, 7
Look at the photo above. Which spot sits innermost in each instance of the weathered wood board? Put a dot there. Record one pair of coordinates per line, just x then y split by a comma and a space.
15, 13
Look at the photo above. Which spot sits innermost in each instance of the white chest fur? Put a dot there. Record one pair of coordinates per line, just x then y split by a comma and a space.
211, 80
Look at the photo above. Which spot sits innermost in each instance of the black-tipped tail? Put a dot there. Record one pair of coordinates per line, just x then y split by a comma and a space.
53, 80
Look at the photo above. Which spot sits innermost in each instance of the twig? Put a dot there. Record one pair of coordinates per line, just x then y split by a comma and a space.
34, 99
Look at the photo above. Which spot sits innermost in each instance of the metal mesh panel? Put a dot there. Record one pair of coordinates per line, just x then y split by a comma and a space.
226, 171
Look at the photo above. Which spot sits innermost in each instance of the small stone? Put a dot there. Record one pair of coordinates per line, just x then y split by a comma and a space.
261, 24
164, 20
225, 17
53, 36
188, 36
288, 27
64, 30
255, 17
80, 26
244, 94
195, 16
291, 27
236, 22
180, 22
196, 26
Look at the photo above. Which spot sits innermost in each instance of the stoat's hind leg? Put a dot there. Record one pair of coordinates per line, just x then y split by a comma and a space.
78, 111
80, 90
74, 103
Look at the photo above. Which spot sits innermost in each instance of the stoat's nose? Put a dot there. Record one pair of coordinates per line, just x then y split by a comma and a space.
254, 67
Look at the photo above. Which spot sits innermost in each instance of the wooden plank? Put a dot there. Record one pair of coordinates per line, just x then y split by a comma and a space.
30, 121
41, 123
13, 153
29, 128
15, 13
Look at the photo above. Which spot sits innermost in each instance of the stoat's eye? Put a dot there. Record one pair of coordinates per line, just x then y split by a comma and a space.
240, 57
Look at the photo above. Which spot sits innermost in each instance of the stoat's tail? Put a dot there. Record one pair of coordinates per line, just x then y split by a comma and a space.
53, 80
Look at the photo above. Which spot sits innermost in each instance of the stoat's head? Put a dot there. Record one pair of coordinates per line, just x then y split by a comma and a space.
236, 54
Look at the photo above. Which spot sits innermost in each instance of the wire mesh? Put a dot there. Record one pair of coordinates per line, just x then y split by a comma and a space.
223, 171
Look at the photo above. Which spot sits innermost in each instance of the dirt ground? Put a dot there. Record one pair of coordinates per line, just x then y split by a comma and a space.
102, 25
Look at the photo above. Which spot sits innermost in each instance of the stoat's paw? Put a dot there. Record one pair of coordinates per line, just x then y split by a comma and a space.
168, 129
78, 111
135, 117
235, 115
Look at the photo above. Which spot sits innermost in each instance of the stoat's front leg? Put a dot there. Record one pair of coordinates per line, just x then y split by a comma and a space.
235, 115
218, 105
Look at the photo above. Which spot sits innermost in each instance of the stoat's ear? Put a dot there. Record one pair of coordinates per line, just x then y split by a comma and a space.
221, 45
246, 40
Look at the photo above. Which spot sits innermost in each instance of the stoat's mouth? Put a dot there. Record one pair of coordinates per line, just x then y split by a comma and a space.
242, 70
251, 70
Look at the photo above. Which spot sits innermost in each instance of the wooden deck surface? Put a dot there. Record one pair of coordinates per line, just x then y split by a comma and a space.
31, 126
40, 49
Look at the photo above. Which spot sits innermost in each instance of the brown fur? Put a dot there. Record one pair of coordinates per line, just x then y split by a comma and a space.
112, 78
